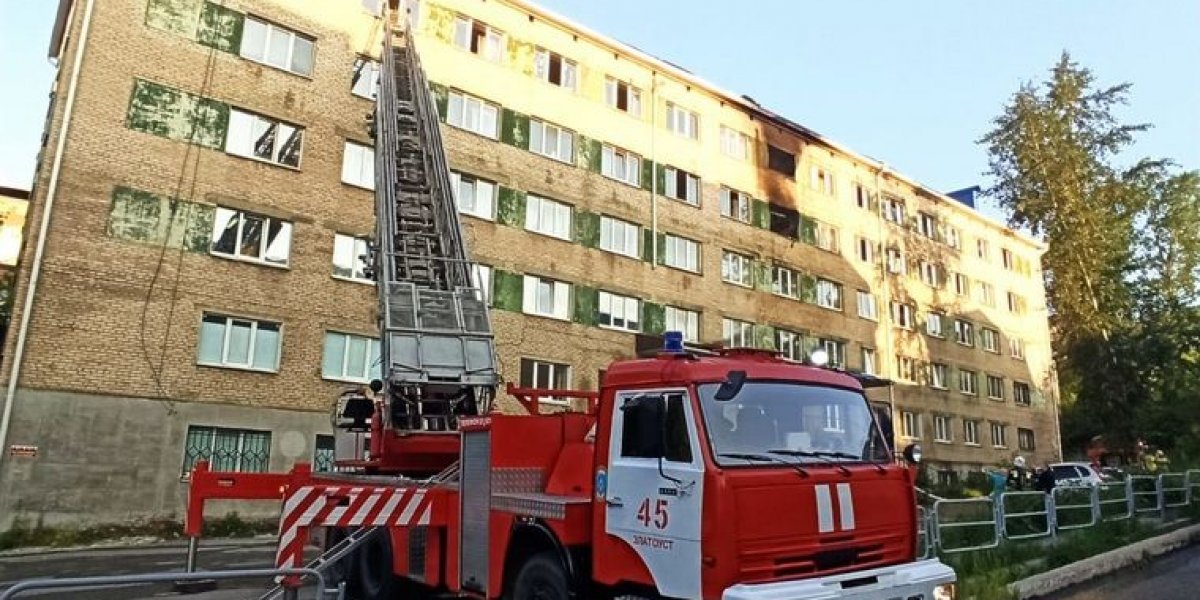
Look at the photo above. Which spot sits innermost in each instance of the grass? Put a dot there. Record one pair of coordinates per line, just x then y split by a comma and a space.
24, 534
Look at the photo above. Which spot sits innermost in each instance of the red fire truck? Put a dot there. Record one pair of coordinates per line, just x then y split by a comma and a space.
731, 474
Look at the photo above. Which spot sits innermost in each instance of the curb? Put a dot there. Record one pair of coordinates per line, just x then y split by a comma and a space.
1103, 564
138, 543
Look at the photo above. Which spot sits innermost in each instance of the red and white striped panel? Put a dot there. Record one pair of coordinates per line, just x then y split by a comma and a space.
320, 505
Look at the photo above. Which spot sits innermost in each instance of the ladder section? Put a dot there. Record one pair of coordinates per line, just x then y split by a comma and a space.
437, 345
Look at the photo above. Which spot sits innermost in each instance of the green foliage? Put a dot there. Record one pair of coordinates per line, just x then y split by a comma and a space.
24, 534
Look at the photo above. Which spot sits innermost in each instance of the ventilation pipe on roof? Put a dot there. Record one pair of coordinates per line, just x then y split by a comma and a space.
43, 231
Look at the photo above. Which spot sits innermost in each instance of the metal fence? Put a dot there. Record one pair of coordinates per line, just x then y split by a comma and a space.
80, 584
964, 525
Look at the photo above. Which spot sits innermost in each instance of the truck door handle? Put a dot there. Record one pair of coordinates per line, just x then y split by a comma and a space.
614, 501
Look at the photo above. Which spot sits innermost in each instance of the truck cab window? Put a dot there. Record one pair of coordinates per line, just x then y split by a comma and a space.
654, 427
678, 444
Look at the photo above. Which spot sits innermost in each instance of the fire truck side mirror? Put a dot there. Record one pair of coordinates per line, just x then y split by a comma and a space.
912, 454
732, 385
376, 385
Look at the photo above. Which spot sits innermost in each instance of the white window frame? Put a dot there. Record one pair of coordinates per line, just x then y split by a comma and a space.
568, 70
546, 297
735, 144
223, 216
927, 225
552, 141
1001, 440
833, 419
868, 307
1006, 259
1023, 433
358, 165
828, 238
677, 246
999, 386
982, 249
367, 85
990, 340
371, 367
985, 293
962, 285
473, 114
836, 352
735, 205
613, 311
933, 324
1016, 347
262, 55
938, 373
691, 186
953, 237
621, 165
483, 194
736, 333
553, 374
682, 122
633, 96
906, 368
968, 382
351, 248
910, 425
481, 278
893, 210
964, 333
868, 357
970, 432
548, 217
245, 129
942, 429
790, 344
931, 274
902, 315
865, 249
620, 237
821, 180
492, 46
1022, 398
251, 343
862, 196
896, 264
829, 294
682, 320
737, 269
785, 282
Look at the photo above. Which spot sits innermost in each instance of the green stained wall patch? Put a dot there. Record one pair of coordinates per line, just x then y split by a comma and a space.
760, 214
441, 97
648, 175
167, 112
514, 129
808, 288
808, 230
587, 305
134, 215
587, 229
589, 154
510, 207
654, 318
140, 216
176, 16
762, 276
221, 28
439, 21
764, 337
507, 290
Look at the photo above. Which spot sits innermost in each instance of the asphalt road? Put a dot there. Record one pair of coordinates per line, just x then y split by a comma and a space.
217, 554
1175, 576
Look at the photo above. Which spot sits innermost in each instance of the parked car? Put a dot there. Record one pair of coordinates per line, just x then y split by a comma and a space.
1076, 474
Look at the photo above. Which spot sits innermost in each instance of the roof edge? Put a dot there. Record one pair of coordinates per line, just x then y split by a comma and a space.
59, 33
18, 193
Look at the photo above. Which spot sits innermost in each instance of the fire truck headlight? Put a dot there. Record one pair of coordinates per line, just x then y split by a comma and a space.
944, 592
819, 357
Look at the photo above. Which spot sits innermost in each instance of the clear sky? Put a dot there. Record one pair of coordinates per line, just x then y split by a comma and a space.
913, 83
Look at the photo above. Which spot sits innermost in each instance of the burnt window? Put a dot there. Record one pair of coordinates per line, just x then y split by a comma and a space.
781, 161
785, 221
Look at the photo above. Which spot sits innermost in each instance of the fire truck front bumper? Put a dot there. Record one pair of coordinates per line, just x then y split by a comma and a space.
921, 580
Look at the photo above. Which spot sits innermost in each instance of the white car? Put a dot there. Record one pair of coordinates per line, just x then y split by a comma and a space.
1076, 474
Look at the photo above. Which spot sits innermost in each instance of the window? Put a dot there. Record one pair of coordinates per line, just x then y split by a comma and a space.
736, 269
971, 432
364, 80
902, 315
893, 210
253, 136
1016, 304
990, 339
481, 278
982, 249
551, 141
474, 196
546, 297
323, 454
350, 258
895, 261
737, 334
865, 249
478, 38
785, 282
1016, 347
619, 312
985, 293
358, 165
548, 217
273, 45
868, 361
964, 332
621, 165
351, 358
552, 68
995, 387
862, 196
546, 375
622, 96
620, 236
998, 437
790, 344
781, 161
827, 238
910, 424
239, 343
683, 320
961, 285
471, 113
1021, 393
247, 236
866, 306
931, 274
681, 121
735, 204
641, 436
734, 144
682, 253
237, 450
836, 350
829, 294
784, 221
1006, 257
968, 382
937, 376
933, 324
953, 237
1025, 439
906, 368
821, 180
833, 418
682, 185
927, 225
941, 428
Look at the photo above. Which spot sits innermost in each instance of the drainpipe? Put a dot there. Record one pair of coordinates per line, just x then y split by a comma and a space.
51, 192
885, 315
653, 170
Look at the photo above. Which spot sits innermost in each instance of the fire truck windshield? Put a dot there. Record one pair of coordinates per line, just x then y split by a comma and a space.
779, 422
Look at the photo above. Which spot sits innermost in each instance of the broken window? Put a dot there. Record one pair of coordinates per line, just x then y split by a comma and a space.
247, 236
785, 221
682, 185
350, 258
781, 161
622, 96
255, 136
364, 80
551, 67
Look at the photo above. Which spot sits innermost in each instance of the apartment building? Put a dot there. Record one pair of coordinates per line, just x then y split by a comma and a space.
198, 292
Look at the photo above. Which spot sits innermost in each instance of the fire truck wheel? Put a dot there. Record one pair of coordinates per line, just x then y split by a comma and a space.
374, 569
541, 578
